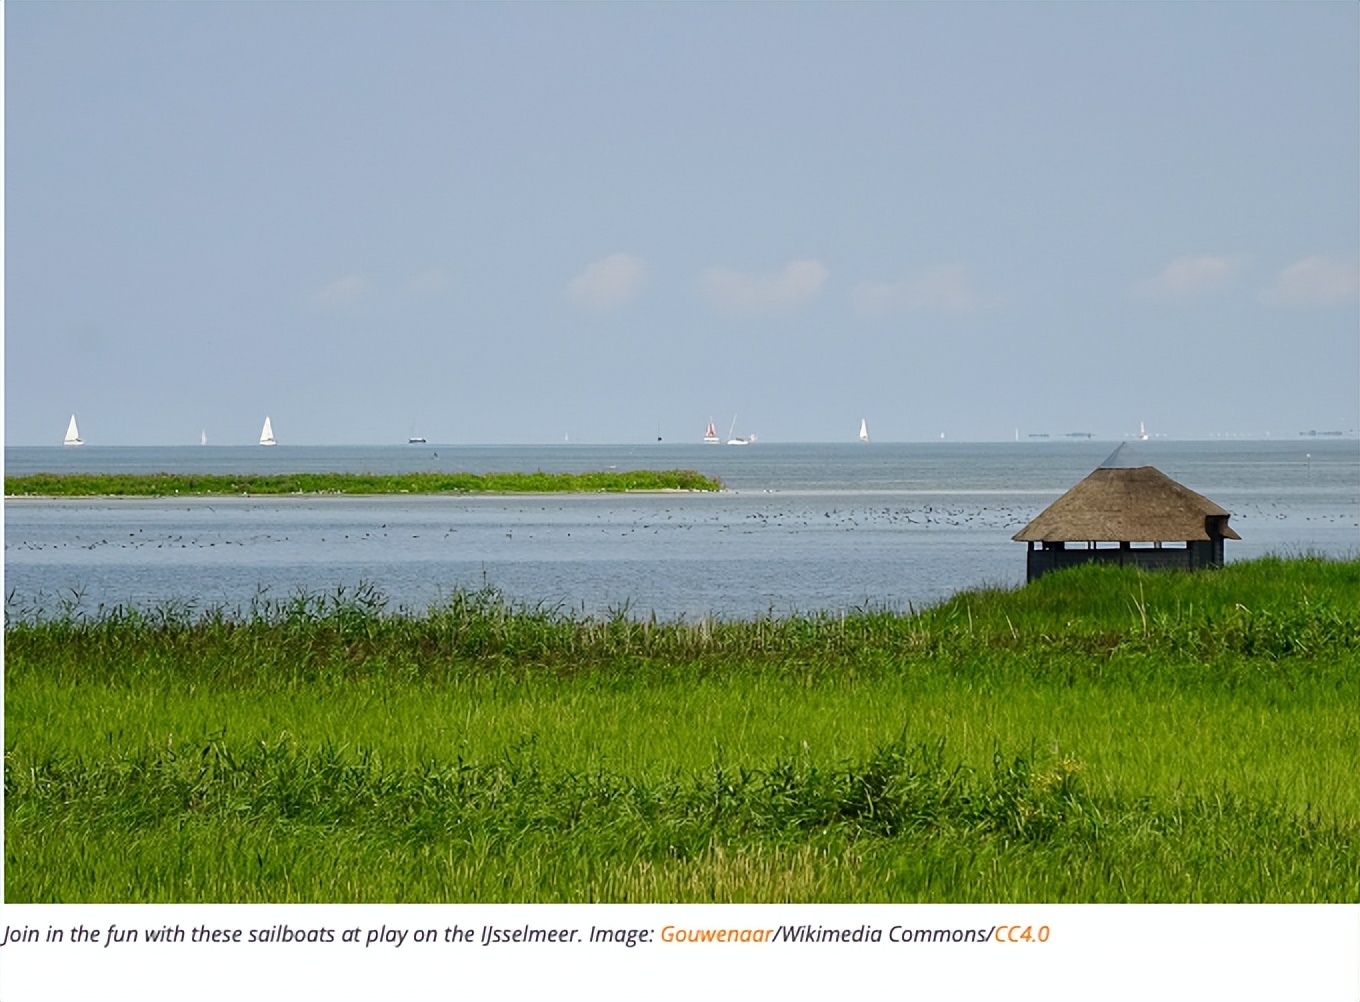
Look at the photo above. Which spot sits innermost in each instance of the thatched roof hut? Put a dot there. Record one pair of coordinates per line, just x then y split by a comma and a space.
1125, 505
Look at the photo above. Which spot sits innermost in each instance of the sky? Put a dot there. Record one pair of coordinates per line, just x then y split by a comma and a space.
604, 223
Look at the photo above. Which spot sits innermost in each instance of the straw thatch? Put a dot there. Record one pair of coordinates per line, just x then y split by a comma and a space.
1129, 504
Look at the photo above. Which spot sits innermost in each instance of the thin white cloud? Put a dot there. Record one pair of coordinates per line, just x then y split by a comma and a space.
782, 292
1190, 277
608, 283
428, 282
342, 292
1315, 281
946, 289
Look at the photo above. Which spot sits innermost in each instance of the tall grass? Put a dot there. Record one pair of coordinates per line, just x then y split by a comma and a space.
1269, 609
1100, 735
271, 822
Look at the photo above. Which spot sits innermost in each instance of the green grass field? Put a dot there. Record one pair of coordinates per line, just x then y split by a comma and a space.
1100, 735
166, 484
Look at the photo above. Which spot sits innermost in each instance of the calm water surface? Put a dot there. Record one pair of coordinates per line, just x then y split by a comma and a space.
799, 528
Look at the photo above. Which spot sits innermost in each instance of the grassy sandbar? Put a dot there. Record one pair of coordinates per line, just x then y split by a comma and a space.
165, 484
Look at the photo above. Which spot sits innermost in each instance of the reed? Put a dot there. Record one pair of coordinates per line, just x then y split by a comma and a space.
905, 823
1101, 735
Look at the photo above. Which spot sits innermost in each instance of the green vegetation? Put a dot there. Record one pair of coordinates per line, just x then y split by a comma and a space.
1100, 735
163, 484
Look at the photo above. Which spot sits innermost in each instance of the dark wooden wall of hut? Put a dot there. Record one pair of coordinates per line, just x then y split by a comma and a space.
1197, 554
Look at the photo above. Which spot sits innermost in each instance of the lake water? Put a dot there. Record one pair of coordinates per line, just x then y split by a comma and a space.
800, 527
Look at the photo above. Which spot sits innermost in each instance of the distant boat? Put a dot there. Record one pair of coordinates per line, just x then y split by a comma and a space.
1142, 432
267, 434
416, 440
733, 439
202, 438
863, 430
711, 436
73, 434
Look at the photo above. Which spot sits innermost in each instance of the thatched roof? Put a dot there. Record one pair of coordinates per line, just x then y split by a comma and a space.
1128, 504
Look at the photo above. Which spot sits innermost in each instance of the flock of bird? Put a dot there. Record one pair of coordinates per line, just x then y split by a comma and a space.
516, 522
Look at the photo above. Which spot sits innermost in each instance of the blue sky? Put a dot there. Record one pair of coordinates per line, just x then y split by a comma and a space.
511, 223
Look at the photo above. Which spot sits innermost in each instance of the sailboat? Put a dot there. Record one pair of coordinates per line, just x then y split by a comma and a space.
267, 434
863, 430
731, 437
1142, 432
711, 436
203, 437
73, 434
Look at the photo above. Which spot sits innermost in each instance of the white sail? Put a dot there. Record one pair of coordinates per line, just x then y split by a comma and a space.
203, 437
267, 435
73, 434
863, 430
732, 438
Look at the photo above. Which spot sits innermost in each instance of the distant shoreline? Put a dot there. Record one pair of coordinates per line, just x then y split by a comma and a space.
49, 485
